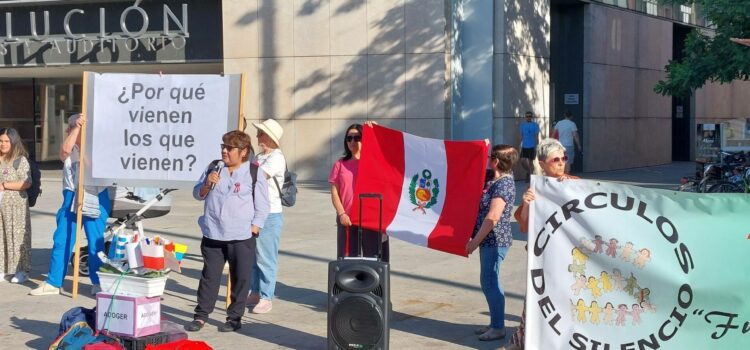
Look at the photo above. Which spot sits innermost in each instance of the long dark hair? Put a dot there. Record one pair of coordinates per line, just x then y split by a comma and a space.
347, 152
17, 148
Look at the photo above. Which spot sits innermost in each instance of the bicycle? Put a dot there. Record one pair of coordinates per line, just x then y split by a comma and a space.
715, 176
736, 184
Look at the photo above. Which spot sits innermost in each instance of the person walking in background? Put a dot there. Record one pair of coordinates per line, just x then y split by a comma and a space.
271, 160
552, 161
492, 234
93, 222
15, 220
343, 178
530, 137
567, 133
235, 207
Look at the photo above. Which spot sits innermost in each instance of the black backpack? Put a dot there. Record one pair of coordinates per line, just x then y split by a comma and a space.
36, 180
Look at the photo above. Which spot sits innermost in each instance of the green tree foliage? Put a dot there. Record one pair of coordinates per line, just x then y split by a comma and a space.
711, 55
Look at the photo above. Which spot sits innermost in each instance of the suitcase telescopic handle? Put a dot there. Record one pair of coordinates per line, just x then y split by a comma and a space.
379, 197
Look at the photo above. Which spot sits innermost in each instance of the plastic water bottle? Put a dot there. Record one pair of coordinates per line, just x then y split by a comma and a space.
120, 242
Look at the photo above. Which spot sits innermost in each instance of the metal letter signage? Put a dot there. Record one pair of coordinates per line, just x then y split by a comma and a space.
70, 34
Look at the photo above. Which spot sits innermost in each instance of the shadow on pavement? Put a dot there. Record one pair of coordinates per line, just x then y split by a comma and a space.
460, 334
283, 336
313, 299
41, 329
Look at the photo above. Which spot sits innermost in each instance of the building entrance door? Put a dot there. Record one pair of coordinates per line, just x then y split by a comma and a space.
681, 111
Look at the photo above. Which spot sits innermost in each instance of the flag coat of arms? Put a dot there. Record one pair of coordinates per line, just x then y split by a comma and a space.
431, 188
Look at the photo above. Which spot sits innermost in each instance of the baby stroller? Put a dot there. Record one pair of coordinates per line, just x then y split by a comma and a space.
129, 205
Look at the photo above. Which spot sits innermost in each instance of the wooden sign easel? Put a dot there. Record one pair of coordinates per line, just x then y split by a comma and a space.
241, 124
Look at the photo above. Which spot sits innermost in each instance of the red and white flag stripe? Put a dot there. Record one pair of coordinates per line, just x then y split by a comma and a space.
431, 188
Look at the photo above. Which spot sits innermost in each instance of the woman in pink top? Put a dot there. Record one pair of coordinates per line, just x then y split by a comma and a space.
343, 178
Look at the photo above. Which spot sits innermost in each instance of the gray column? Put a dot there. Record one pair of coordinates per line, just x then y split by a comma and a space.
521, 66
472, 70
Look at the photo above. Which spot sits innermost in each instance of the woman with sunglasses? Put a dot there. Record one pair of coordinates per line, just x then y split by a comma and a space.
235, 207
15, 221
552, 159
493, 236
343, 177
271, 160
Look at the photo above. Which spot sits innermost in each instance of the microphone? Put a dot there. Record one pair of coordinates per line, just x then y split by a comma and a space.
219, 166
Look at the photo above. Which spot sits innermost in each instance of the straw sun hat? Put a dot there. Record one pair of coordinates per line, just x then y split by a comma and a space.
271, 128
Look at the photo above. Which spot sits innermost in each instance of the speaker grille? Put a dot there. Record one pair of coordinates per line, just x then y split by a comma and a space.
378, 291
357, 323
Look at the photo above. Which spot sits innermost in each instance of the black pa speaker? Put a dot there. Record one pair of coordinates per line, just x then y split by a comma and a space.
358, 304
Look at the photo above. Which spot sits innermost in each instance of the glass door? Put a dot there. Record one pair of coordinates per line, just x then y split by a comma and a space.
58, 102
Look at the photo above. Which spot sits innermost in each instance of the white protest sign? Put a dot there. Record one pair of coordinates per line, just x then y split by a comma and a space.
157, 130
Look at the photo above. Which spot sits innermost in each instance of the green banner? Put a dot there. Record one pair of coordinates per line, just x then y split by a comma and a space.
622, 267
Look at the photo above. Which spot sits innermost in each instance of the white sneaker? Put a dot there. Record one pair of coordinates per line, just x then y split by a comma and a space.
2, 278
264, 306
95, 288
45, 289
20, 277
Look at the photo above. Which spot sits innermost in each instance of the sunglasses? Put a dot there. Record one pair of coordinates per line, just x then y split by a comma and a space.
229, 148
355, 138
558, 159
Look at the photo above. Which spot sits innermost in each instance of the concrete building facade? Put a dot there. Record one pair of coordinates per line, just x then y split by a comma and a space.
454, 69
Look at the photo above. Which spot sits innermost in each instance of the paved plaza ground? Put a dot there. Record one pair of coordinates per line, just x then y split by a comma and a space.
437, 301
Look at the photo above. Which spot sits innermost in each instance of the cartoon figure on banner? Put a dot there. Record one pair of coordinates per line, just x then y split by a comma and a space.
595, 311
631, 286
609, 314
644, 256
636, 313
598, 243
617, 277
606, 283
594, 286
645, 302
612, 247
627, 251
622, 311
577, 268
579, 258
579, 284
581, 309
579, 262
423, 191
587, 245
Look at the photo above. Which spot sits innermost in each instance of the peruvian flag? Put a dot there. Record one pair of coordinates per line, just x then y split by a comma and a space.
431, 188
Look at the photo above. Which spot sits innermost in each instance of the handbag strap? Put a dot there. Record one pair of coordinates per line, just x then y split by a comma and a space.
286, 169
277, 185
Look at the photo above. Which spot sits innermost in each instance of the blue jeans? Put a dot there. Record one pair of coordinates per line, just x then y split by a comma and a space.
64, 238
263, 277
490, 259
